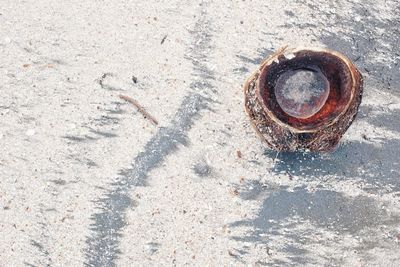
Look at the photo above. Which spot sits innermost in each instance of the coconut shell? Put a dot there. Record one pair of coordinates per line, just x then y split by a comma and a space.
319, 132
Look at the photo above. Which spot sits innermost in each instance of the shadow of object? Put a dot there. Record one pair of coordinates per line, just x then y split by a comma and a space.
293, 221
375, 165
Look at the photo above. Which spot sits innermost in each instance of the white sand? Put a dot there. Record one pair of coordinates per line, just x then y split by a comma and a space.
85, 179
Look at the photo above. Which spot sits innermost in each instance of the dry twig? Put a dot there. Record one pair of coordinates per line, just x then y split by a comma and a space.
140, 108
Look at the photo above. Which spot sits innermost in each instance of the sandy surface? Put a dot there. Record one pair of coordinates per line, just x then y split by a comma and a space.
85, 180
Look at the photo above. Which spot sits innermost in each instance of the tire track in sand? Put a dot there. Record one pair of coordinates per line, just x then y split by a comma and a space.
109, 221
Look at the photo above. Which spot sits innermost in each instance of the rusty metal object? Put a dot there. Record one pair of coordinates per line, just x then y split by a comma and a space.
303, 99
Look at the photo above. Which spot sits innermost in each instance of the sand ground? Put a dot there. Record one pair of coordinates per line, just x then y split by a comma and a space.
85, 180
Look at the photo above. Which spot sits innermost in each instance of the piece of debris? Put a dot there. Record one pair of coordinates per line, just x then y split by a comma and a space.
140, 108
290, 175
365, 137
230, 252
164, 38
225, 229
67, 216
134, 79
101, 80
239, 154
155, 212
269, 251
234, 192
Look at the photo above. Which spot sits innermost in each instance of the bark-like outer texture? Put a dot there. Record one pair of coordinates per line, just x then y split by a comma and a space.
280, 136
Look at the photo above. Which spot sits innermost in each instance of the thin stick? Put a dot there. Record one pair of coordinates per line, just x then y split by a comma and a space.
140, 108
163, 39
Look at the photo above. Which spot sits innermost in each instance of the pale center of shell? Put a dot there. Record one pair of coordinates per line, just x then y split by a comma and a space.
301, 93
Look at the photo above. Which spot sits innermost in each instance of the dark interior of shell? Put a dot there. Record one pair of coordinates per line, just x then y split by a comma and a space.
325, 67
